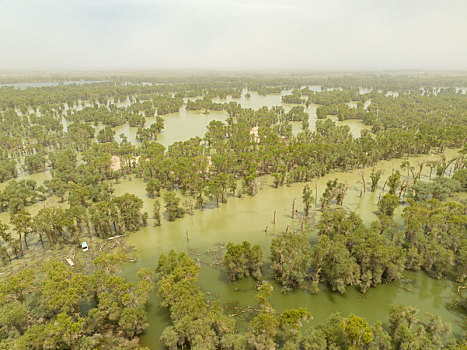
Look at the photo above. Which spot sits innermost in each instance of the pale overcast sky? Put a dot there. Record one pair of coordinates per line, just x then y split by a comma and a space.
233, 34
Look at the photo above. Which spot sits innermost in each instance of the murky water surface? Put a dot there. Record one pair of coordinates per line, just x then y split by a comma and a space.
246, 219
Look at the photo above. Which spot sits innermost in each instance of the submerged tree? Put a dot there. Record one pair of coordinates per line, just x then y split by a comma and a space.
388, 204
290, 256
243, 260
307, 198
157, 212
172, 205
334, 190
375, 176
394, 181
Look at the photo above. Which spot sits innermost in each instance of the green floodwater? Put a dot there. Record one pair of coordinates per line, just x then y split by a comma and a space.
186, 124
246, 218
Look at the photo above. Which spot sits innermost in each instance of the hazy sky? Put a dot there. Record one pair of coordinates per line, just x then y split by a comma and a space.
233, 34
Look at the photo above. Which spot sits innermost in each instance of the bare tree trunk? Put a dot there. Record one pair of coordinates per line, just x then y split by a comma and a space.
384, 186
20, 243
316, 202
364, 182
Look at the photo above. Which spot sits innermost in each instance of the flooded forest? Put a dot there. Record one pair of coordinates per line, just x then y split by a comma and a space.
233, 211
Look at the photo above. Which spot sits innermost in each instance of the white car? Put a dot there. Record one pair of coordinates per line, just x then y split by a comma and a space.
84, 245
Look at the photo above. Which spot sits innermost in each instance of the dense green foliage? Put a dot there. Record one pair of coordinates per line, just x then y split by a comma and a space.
200, 323
69, 133
290, 257
7, 169
195, 322
54, 306
346, 253
243, 260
